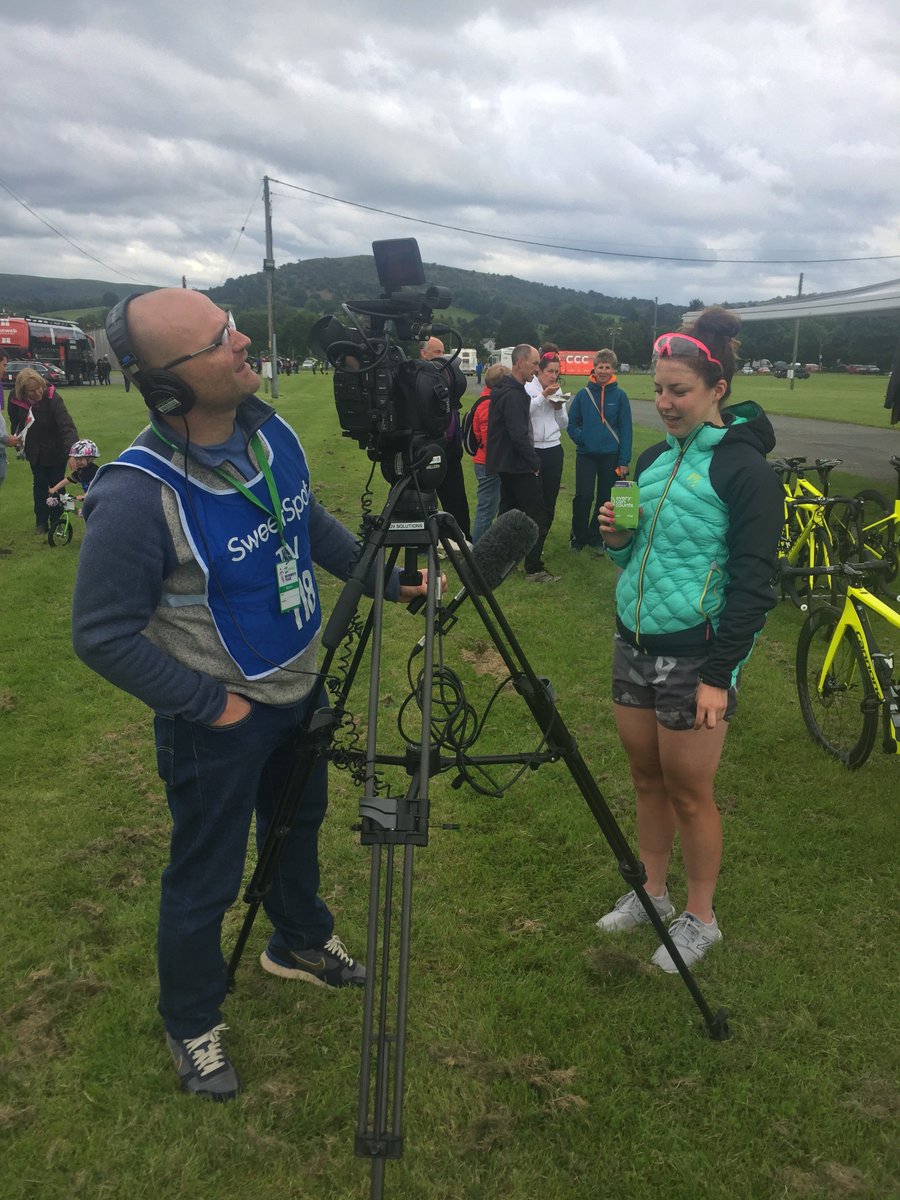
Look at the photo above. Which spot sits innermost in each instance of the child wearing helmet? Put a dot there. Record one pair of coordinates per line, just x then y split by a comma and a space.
82, 466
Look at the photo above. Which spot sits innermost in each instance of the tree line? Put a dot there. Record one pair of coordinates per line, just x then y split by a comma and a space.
485, 308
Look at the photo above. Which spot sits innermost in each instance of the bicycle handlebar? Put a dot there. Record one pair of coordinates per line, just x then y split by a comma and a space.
850, 569
824, 501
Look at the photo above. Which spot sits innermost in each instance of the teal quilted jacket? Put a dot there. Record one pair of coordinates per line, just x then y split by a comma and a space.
697, 575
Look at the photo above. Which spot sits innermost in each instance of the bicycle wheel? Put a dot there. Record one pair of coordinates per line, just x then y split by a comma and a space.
843, 716
845, 527
60, 534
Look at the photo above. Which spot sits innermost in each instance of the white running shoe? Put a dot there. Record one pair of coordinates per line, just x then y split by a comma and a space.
628, 912
692, 938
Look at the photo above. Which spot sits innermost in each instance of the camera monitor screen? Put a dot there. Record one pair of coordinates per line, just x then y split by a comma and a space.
399, 263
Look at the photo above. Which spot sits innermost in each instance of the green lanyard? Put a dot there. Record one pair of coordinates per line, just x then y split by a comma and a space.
257, 447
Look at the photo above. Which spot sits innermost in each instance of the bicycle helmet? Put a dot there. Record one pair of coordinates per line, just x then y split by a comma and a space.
84, 448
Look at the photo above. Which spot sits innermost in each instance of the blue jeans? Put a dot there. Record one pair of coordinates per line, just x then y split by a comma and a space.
215, 779
487, 500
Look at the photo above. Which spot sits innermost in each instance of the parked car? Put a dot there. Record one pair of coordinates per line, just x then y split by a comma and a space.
15, 365
55, 373
308, 364
782, 370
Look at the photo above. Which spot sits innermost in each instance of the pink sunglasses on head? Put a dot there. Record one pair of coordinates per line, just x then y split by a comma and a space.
681, 345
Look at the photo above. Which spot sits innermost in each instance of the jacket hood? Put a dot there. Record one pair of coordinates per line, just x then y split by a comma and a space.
746, 422
508, 383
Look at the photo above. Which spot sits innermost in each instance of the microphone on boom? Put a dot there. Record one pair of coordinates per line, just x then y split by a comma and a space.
495, 554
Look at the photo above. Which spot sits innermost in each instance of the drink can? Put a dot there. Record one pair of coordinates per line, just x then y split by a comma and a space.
626, 497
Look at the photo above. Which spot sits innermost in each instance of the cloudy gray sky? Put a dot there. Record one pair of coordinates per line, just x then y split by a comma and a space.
764, 131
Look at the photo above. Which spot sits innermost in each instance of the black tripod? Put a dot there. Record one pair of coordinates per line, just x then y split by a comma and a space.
400, 822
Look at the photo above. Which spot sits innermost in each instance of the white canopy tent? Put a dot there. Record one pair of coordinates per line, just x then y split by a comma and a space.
875, 298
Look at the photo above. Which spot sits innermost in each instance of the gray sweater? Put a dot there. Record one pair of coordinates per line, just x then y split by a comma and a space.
135, 550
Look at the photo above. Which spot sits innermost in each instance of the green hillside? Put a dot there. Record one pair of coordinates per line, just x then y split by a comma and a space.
41, 295
484, 307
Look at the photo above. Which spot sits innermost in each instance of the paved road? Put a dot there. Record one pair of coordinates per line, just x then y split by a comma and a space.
864, 449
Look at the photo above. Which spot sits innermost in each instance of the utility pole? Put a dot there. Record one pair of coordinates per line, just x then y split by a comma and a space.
269, 269
796, 336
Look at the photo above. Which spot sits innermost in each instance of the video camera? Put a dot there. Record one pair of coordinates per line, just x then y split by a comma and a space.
393, 406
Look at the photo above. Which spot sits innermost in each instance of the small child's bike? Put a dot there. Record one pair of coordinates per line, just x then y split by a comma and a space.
61, 509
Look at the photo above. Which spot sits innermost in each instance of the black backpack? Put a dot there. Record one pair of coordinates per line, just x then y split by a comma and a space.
469, 441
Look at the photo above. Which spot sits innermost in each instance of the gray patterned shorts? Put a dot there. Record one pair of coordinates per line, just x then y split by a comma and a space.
661, 682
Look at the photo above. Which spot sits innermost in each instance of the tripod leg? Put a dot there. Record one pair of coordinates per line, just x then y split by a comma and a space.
315, 736
313, 740
390, 825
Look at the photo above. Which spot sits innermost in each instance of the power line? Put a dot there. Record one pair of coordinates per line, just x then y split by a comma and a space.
499, 237
64, 237
241, 233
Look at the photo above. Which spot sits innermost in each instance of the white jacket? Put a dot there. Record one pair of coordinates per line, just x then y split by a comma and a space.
547, 422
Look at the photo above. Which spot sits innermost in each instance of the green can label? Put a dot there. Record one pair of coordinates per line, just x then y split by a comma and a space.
626, 502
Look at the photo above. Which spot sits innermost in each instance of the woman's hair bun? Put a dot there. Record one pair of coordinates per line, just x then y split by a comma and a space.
716, 323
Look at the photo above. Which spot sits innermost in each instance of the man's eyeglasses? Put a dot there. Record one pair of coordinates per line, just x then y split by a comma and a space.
222, 340
680, 345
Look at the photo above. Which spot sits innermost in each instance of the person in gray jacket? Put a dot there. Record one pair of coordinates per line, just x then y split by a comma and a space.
204, 605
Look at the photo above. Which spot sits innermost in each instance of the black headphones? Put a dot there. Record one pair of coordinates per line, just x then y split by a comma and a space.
165, 394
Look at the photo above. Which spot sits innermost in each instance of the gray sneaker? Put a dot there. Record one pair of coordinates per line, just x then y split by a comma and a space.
542, 577
692, 939
628, 912
203, 1066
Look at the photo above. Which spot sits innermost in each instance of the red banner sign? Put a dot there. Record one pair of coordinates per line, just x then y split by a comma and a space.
576, 362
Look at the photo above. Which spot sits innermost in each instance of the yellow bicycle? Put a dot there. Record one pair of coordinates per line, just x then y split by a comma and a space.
844, 681
806, 539
868, 528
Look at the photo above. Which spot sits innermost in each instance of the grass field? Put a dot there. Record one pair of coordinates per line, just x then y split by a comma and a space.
857, 399
544, 1062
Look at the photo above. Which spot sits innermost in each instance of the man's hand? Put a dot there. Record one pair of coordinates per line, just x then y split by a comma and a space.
236, 708
411, 591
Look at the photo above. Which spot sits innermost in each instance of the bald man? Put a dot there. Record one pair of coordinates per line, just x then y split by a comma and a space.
203, 603
452, 492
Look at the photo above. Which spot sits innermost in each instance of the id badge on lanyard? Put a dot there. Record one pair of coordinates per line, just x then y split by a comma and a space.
288, 582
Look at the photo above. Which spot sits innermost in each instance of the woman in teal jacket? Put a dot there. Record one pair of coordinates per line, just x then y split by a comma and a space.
695, 588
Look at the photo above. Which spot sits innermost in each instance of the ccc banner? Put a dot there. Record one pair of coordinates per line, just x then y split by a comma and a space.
576, 362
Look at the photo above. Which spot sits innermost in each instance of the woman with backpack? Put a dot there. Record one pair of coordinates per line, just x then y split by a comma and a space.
475, 429
39, 417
